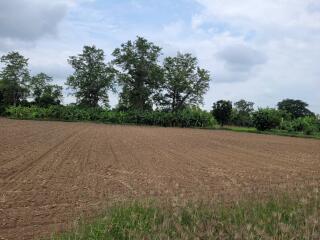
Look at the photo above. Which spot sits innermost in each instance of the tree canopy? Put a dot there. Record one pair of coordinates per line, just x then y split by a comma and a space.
242, 113
243, 107
140, 74
184, 82
296, 108
44, 93
92, 77
222, 110
14, 78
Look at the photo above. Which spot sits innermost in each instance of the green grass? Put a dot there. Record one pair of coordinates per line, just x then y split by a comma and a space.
270, 132
281, 217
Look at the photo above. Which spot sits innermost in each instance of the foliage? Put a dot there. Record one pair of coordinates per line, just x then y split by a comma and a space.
184, 83
189, 117
92, 78
44, 93
296, 108
242, 113
2, 104
222, 110
284, 216
140, 74
266, 119
14, 78
307, 125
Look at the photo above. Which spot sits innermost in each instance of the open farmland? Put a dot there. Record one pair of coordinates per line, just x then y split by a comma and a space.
53, 172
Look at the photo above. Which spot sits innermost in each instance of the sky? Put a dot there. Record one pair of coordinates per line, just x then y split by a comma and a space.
257, 50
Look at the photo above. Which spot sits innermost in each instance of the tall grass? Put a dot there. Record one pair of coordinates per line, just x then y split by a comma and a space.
281, 217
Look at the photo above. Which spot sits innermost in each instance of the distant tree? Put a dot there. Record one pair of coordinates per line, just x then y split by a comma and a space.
52, 95
266, 119
242, 111
92, 77
222, 110
44, 93
244, 107
14, 78
296, 108
184, 83
140, 74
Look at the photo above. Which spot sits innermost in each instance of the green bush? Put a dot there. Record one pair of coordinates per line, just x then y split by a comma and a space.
266, 119
307, 125
286, 126
189, 117
241, 120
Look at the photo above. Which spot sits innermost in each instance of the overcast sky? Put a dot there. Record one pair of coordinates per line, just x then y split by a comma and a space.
258, 50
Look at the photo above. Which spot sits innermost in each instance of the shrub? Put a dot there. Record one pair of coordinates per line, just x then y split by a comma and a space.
266, 119
241, 119
307, 125
286, 126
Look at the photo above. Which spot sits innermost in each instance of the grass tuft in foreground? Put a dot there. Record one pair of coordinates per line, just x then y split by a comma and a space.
284, 217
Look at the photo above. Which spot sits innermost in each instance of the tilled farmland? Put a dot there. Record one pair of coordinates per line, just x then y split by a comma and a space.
51, 173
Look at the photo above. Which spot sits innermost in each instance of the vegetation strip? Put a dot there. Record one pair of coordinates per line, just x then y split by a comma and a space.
281, 217
150, 93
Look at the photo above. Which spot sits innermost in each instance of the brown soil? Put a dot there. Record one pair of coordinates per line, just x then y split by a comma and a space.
53, 172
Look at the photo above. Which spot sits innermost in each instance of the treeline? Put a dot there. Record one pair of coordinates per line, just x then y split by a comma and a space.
135, 72
151, 92
290, 116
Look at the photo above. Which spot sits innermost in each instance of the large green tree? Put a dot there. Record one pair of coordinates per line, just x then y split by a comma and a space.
140, 74
44, 92
92, 77
14, 78
184, 82
296, 108
222, 110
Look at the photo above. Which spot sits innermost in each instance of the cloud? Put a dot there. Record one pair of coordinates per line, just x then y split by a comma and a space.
255, 14
272, 47
241, 58
29, 20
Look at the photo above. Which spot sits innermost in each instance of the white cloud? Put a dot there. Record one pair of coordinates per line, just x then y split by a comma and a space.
285, 38
255, 14
241, 58
28, 20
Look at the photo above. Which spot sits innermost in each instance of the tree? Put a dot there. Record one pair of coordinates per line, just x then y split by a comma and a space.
296, 108
14, 78
266, 119
52, 95
140, 74
242, 111
92, 78
222, 110
184, 83
44, 93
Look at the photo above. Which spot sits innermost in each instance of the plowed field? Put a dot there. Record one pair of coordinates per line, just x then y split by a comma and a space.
53, 172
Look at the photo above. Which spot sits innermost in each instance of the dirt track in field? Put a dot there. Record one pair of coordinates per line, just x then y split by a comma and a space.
53, 172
